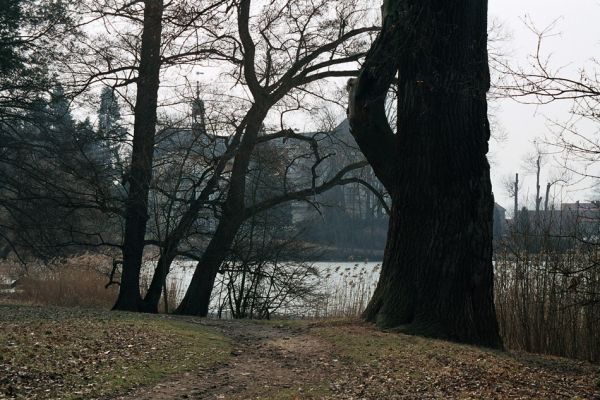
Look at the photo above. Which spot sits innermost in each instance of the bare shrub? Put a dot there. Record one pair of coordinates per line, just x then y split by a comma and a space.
547, 291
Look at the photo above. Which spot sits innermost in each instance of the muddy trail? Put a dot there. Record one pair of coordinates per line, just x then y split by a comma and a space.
268, 361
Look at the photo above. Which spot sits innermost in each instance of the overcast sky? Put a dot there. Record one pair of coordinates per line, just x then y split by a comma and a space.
579, 40
578, 26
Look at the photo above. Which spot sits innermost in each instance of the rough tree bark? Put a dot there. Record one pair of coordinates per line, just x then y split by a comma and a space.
141, 162
437, 274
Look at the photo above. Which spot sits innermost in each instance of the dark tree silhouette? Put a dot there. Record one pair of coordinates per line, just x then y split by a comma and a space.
136, 214
272, 69
437, 276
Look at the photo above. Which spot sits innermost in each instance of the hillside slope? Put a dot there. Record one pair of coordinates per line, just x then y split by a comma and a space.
53, 353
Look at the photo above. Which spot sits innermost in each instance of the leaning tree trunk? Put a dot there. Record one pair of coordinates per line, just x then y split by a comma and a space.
197, 298
437, 274
141, 160
157, 285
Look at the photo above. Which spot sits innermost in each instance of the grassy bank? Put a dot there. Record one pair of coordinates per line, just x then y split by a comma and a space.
59, 353
391, 365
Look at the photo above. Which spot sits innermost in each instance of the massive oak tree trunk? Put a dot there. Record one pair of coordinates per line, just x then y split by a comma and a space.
141, 162
437, 274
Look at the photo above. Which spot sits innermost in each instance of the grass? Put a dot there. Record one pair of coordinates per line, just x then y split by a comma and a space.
56, 353
396, 365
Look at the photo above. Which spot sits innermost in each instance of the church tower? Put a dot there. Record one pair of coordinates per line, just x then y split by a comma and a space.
198, 114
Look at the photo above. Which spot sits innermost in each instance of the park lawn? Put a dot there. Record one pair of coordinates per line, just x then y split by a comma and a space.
376, 364
70, 353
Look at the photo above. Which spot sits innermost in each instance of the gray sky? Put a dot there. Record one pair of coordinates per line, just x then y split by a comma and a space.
578, 41
578, 22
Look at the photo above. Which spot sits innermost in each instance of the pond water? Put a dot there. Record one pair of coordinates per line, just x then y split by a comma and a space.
337, 288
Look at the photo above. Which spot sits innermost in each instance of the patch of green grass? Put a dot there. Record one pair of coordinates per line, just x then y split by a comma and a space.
75, 353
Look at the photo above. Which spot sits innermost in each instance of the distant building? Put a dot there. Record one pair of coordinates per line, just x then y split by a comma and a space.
355, 200
558, 229
346, 221
499, 221
183, 152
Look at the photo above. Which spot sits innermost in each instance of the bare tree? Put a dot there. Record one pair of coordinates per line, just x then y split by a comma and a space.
320, 40
542, 83
116, 56
285, 48
265, 272
136, 212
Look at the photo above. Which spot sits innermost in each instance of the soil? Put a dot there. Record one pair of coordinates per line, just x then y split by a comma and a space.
60, 353
342, 360
268, 361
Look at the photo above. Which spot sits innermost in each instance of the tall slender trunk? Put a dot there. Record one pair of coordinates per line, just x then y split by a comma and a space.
516, 210
548, 185
538, 198
197, 298
171, 243
437, 275
142, 154
163, 266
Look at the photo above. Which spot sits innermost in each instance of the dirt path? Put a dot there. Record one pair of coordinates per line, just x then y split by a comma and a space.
303, 361
268, 361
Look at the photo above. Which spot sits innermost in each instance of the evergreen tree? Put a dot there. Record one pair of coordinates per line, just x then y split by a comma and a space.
10, 16
53, 122
109, 116
110, 130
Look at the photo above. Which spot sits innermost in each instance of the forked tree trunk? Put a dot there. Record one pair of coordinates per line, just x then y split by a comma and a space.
141, 160
437, 274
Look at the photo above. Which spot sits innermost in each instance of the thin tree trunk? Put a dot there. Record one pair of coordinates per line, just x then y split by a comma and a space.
197, 297
141, 162
516, 211
538, 198
152, 298
171, 243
